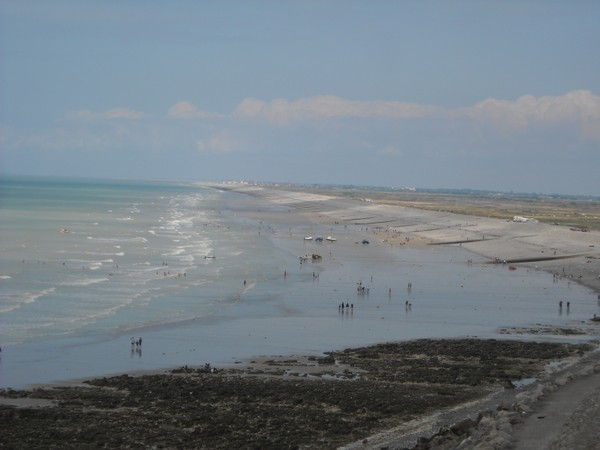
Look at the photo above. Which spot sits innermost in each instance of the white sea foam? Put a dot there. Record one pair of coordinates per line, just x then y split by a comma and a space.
187, 258
11, 302
107, 253
175, 252
91, 262
84, 282
248, 287
136, 290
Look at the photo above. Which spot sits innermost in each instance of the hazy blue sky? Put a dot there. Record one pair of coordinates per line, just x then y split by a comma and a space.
501, 95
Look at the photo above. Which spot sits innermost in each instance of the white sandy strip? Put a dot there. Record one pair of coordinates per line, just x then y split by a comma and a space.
488, 237
576, 254
281, 197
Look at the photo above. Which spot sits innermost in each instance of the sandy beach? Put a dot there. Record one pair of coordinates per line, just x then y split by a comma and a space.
553, 418
557, 249
558, 409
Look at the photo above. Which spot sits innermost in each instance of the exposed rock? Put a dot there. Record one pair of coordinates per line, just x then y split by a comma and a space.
378, 388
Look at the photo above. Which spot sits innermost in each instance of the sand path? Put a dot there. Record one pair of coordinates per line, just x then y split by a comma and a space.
564, 419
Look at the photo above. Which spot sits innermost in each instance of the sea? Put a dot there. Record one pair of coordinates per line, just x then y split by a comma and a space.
204, 275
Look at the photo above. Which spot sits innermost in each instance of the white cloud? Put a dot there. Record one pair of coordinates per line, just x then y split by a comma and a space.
282, 111
577, 110
220, 142
250, 107
187, 110
581, 108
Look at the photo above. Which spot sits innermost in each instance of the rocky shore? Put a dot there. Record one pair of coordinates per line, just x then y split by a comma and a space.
419, 394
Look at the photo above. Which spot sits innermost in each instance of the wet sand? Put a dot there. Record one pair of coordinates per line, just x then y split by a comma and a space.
561, 419
511, 420
557, 249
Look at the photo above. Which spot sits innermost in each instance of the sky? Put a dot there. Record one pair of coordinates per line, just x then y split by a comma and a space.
495, 95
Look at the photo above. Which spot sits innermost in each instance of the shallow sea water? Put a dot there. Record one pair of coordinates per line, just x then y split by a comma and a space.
87, 265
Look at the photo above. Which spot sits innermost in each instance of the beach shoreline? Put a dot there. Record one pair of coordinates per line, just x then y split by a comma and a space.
569, 255
565, 252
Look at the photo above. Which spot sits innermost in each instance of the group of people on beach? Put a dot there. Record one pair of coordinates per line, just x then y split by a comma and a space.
348, 307
136, 346
361, 288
